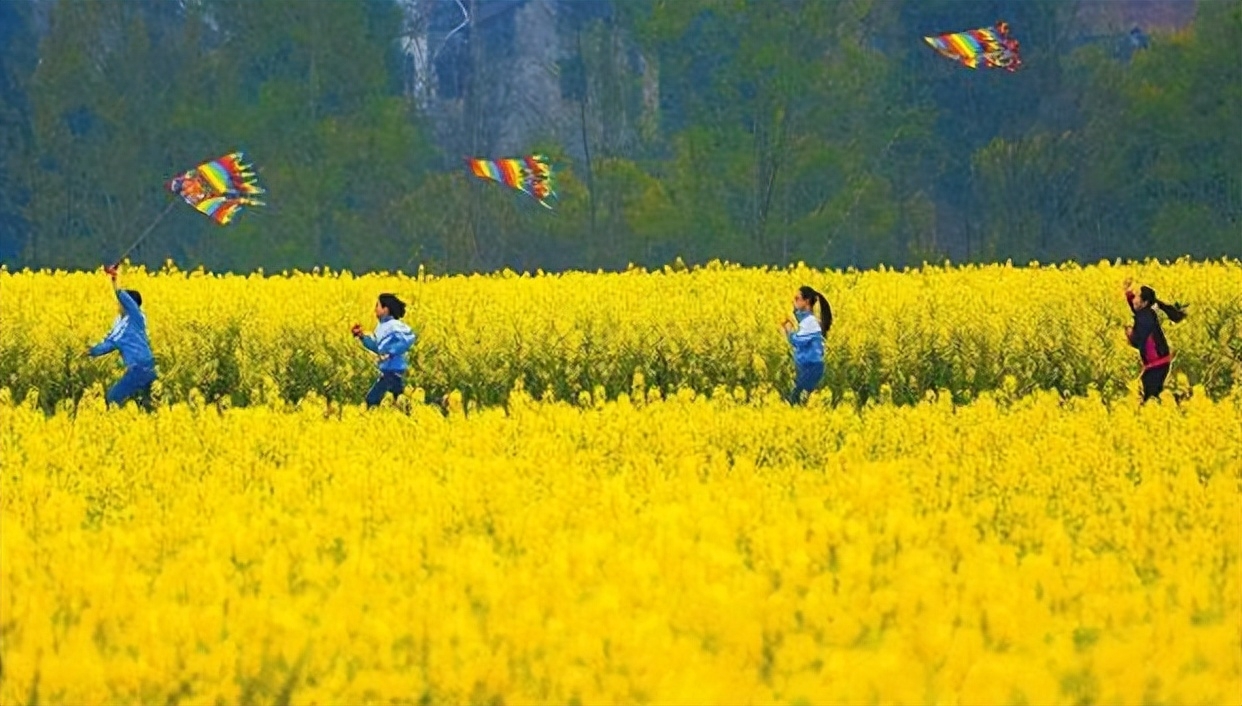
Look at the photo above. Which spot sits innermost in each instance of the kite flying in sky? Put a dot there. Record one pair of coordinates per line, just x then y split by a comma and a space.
991, 47
219, 188
531, 174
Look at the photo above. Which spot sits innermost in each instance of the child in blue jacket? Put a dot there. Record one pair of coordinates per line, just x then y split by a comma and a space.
807, 340
129, 336
391, 341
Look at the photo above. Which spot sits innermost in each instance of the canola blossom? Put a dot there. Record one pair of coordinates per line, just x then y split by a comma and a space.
242, 340
649, 549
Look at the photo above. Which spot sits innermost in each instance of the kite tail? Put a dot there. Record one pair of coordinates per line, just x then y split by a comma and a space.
242, 176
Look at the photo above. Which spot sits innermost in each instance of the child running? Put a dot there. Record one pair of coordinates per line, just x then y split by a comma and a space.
1147, 336
391, 340
129, 336
807, 340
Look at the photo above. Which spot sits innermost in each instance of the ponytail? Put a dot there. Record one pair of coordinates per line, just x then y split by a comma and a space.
825, 309
825, 314
1175, 312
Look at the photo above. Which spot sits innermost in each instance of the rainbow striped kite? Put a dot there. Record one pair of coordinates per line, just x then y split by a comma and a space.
219, 188
531, 174
991, 47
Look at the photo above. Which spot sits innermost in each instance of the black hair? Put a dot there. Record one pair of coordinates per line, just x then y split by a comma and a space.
825, 309
1175, 312
395, 307
133, 294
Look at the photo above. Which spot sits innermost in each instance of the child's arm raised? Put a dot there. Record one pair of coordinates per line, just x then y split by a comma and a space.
127, 302
109, 343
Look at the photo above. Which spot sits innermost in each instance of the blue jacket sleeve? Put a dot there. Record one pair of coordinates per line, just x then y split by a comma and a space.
369, 344
396, 343
128, 303
105, 346
801, 342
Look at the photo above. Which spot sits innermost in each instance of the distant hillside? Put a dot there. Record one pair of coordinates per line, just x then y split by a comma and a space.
1145, 14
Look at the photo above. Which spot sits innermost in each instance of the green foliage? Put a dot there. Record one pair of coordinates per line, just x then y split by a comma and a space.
760, 132
121, 106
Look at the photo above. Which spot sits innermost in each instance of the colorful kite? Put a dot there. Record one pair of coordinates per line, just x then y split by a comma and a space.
993, 47
531, 174
219, 188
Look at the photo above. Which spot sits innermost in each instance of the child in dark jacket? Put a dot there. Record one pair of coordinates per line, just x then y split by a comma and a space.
129, 336
1147, 336
391, 341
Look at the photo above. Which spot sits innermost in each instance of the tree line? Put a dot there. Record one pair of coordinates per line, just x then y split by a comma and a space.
761, 132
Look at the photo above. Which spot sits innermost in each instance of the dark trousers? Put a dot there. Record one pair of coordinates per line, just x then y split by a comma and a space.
134, 384
1153, 381
388, 382
806, 381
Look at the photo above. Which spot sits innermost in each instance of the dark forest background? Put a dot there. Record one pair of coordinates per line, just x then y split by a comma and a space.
758, 132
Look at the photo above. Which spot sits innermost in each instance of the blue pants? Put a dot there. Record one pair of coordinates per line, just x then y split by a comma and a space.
136, 382
388, 382
806, 381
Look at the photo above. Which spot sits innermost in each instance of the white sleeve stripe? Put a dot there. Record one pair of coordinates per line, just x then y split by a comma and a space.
118, 329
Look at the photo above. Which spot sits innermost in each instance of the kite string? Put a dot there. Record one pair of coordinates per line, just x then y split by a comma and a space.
146, 232
456, 29
858, 192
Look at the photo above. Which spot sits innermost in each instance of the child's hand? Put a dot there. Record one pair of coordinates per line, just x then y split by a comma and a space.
1126, 284
110, 270
356, 330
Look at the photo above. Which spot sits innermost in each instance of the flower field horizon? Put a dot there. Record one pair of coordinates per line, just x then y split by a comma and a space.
242, 339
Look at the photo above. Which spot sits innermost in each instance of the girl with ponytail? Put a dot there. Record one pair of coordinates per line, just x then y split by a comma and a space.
1147, 336
807, 340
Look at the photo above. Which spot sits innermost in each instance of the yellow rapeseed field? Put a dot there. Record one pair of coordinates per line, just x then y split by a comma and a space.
1017, 531
959, 329
1020, 549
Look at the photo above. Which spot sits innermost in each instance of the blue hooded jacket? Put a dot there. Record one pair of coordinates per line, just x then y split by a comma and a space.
807, 340
391, 341
128, 335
